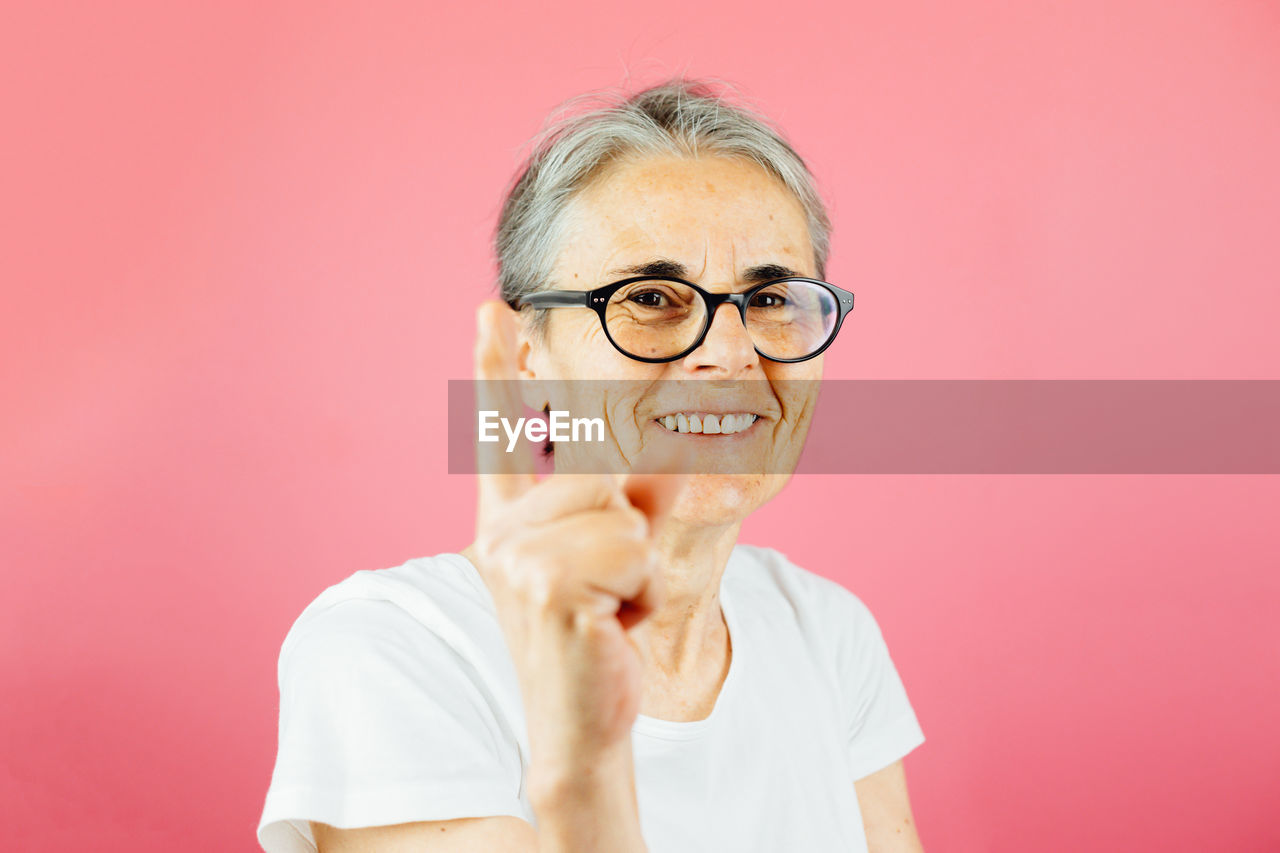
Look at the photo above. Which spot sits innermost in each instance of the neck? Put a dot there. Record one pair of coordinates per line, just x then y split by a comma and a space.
688, 627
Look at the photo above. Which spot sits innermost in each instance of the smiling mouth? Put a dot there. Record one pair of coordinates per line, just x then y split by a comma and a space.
707, 423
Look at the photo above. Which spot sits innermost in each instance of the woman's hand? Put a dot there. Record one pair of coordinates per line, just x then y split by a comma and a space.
572, 567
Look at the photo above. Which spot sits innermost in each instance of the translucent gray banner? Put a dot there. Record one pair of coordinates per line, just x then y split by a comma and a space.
871, 426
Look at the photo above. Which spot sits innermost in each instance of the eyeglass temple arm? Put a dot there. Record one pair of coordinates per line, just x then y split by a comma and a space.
554, 298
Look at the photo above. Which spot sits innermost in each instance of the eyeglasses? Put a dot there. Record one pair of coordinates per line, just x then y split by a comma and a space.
660, 318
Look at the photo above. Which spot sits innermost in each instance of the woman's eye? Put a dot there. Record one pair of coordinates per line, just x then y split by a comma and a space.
649, 299
768, 300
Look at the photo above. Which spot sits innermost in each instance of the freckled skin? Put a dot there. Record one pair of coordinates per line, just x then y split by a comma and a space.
717, 216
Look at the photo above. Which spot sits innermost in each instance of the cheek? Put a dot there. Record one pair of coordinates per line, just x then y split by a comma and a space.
801, 371
576, 348
796, 387
573, 342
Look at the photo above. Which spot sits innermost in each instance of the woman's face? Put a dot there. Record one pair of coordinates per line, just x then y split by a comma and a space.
710, 221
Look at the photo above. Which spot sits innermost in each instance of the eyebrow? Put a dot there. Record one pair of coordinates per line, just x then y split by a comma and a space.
666, 266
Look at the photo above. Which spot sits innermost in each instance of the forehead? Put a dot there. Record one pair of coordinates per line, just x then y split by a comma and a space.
707, 214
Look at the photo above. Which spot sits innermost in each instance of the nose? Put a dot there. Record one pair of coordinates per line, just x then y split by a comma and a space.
727, 349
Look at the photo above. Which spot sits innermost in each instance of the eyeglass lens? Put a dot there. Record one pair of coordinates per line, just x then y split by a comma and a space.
660, 319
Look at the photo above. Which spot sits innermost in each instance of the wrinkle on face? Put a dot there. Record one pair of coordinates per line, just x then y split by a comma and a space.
708, 213
656, 207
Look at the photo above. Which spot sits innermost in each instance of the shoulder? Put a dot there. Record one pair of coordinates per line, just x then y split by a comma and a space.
838, 631
426, 629
767, 577
398, 703
375, 608
843, 639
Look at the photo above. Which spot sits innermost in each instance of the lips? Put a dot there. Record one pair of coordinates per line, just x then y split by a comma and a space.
708, 423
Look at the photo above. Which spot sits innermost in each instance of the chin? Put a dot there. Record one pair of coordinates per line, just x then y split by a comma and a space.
709, 500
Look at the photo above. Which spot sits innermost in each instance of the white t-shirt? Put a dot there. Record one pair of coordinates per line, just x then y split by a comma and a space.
399, 702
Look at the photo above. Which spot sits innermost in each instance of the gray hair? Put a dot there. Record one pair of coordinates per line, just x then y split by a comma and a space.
680, 117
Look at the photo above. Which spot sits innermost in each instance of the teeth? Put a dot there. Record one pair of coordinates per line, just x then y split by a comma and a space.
708, 424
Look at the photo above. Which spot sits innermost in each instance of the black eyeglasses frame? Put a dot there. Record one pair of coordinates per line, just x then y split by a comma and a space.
598, 300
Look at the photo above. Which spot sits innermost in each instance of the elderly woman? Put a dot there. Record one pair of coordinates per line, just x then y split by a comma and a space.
604, 668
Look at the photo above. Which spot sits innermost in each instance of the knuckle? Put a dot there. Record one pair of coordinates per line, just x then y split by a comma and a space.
622, 523
539, 581
639, 522
540, 589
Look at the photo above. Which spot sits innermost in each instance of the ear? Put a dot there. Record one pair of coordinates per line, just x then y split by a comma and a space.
524, 350
528, 356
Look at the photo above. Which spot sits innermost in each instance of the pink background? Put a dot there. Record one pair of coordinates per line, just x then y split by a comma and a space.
242, 246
